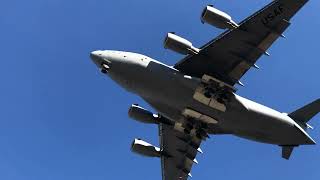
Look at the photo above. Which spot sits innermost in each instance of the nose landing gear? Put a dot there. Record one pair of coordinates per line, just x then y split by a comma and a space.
104, 69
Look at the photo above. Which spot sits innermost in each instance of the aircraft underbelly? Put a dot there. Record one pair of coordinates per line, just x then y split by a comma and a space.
263, 128
266, 125
172, 94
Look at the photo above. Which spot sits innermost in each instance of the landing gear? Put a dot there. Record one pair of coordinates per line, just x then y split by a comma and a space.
220, 94
202, 134
104, 68
196, 128
207, 94
103, 71
220, 100
214, 93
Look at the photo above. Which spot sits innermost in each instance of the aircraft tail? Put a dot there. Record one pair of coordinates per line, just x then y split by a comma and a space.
301, 117
306, 113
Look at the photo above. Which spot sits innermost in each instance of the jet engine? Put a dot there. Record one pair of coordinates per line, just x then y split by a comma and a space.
142, 115
145, 149
179, 44
217, 18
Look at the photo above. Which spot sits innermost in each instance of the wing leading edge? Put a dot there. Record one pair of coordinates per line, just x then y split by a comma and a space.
229, 56
226, 58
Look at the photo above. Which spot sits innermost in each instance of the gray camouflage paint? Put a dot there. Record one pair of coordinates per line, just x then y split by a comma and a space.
170, 92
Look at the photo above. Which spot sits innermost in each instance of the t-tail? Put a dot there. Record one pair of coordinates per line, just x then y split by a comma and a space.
302, 116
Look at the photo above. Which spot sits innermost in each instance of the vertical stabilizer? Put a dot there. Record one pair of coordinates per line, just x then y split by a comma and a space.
287, 151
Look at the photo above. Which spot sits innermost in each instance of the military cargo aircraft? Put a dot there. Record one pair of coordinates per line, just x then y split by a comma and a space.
197, 97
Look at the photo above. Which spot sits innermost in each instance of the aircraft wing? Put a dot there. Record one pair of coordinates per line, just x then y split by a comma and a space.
180, 151
229, 56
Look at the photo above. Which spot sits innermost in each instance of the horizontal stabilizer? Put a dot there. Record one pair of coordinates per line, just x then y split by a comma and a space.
304, 114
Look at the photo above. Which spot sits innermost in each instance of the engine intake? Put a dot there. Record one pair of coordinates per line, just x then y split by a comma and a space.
217, 18
145, 149
179, 44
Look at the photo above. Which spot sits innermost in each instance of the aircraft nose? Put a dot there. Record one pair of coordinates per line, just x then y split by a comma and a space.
94, 55
100, 60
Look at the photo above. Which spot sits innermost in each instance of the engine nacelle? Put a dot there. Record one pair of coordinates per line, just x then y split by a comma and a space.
145, 149
217, 18
142, 115
179, 44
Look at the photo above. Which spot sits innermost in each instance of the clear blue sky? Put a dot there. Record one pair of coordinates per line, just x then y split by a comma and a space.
61, 119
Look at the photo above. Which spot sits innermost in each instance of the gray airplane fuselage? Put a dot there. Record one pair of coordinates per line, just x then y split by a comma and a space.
170, 92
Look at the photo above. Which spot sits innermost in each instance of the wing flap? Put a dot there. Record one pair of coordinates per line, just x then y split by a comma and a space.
256, 48
182, 150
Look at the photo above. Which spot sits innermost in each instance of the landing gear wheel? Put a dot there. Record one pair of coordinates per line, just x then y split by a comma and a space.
104, 71
207, 94
220, 100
